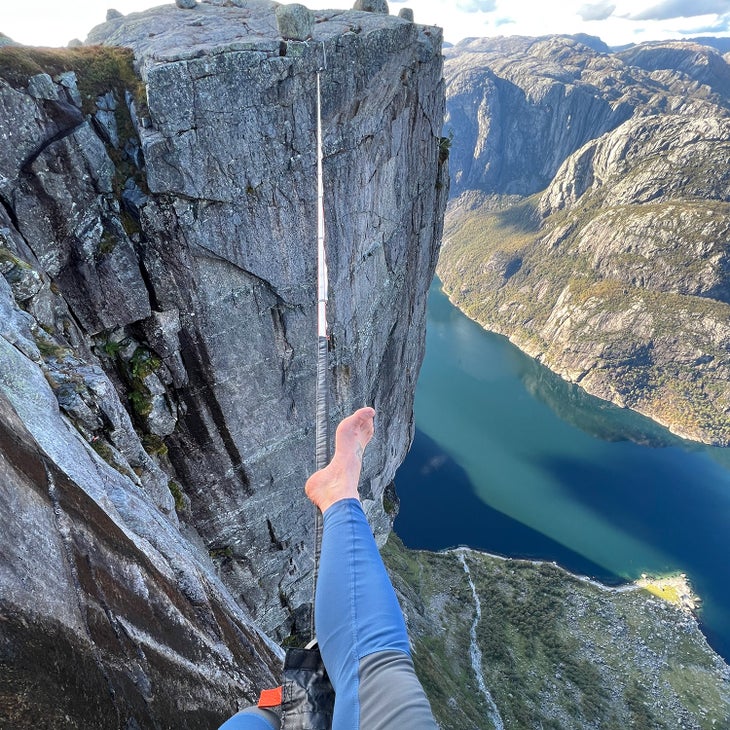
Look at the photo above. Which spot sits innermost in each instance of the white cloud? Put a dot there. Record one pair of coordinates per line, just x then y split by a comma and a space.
596, 11
504, 21
669, 9
719, 27
476, 6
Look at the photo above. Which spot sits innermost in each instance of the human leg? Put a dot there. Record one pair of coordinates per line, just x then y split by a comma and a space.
252, 718
360, 627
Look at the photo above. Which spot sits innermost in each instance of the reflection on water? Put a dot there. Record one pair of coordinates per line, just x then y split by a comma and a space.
595, 417
511, 459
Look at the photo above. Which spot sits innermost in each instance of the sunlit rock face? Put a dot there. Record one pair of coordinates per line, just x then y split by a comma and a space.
159, 343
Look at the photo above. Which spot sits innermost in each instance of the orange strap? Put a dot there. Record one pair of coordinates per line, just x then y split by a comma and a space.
270, 697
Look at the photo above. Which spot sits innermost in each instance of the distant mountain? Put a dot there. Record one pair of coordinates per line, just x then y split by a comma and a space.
591, 218
721, 44
694, 60
519, 106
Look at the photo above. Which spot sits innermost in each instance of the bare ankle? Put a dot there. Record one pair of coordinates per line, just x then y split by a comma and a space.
340, 478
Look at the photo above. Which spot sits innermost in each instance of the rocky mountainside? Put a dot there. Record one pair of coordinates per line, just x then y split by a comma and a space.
157, 358
519, 106
591, 222
157, 228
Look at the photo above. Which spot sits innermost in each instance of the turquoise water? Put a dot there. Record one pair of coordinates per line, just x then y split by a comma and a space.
510, 459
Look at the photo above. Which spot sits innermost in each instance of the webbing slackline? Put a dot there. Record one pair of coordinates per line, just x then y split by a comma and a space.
321, 455
306, 697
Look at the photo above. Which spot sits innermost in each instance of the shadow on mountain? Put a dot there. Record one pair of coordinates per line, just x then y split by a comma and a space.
596, 417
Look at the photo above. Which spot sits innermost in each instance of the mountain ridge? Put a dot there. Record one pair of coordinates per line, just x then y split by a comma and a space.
614, 228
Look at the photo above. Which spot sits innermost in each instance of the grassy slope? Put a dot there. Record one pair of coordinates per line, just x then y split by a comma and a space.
558, 652
508, 273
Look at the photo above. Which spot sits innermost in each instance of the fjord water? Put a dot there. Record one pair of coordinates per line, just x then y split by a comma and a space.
510, 459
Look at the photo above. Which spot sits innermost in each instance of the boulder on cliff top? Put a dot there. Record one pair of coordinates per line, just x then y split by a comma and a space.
372, 6
295, 21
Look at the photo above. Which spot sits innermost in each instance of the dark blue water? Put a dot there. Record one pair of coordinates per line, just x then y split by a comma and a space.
510, 459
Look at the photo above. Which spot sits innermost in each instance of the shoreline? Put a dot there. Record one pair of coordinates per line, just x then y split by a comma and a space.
679, 431
673, 588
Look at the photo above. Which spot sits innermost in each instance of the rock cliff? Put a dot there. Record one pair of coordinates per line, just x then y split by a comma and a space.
520, 106
603, 252
158, 251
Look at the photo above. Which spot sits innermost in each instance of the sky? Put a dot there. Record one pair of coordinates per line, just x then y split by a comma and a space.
617, 22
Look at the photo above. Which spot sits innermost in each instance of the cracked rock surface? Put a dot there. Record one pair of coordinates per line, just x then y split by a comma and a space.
158, 251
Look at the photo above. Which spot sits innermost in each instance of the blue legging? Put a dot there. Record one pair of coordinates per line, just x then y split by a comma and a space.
361, 632
356, 612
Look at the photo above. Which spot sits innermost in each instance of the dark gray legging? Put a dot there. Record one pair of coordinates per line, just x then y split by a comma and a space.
362, 636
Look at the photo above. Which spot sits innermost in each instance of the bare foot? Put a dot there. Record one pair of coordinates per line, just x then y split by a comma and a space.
339, 479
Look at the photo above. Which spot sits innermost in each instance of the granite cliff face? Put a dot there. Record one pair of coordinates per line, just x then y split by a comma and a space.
603, 250
158, 352
520, 106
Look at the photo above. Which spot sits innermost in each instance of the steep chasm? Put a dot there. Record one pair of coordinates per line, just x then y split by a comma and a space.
612, 267
158, 251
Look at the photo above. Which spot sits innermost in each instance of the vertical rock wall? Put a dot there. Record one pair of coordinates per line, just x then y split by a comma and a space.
229, 141
158, 247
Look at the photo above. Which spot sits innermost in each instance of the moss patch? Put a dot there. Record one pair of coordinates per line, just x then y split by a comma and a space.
177, 494
98, 69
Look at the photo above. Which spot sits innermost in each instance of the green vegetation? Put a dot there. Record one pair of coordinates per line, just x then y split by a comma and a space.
557, 652
50, 349
445, 147
441, 639
178, 496
9, 259
485, 231
108, 243
221, 552
107, 453
154, 445
390, 501
129, 222
143, 363
532, 621
112, 347
98, 69
141, 401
